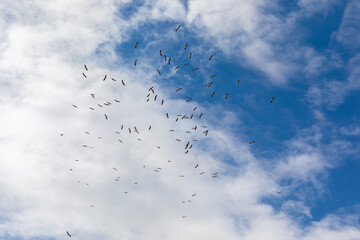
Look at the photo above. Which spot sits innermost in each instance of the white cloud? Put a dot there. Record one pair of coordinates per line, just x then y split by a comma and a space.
41, 65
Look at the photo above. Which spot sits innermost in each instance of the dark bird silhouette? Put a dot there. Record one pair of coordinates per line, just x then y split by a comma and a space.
162, 101
104, 78
169, 60
186, 46
149, 127
116, 100
195, 69
200, 115
167, 115
106, 117
158, 71
160, 53
210, 57
75, 106
194, 108
212, 94
100, 105
85, 67
135, 62
178, 89
84, 75
186, 64
178, 28
155, 97
136, 44
190, 56
226, 96
196, 165
165, 58
176, 68
113, 79
272, 99
212, 76
251, 142
93, 95
68, 234
189, 100
123, 83
238, 81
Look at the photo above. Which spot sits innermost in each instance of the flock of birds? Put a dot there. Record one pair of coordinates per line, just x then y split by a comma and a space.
152, 95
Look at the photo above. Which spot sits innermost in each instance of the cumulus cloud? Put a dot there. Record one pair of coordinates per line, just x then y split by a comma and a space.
42, 56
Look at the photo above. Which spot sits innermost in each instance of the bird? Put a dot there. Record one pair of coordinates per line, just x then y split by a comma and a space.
158, 71
91, 205
92, 95
212, 76
189, 100
75, 106
116, 100
190, 56
84, 75
148, 95
210, 57
171, 130
106, 117
193, 195
61, 134
186, 64
113, 79
155, 97
129, 130
202, 173
114, 169
272, 99
120, 141
200, 115
151, 89
178, 89
238, 81
165, 58
160, 53
226, 96
251, 142
136, 44
186, 46
196, 165
123, 83
178, 140
149, 127
169, 60
194, 108
100, 105
85, 67
178, 28
181, 176
162, 101
206, 132
212, 94
135, 62
195, 69
68, 234
104, 78
176, 68
167, 115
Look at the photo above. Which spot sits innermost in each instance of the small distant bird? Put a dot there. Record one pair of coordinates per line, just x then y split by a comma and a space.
181, 176
212, 76
106, 117
195, 69
186, 64
167, 115
91, 108
84, 75
61, 134
104, 78
169, 60
162, 101
251, 142
238, 81
123, 83
75, 106
202, 173
120, 141
212, 94
129, 130
113, 79
196, 165
177, 68
114, 169
92, 95
165, 58
158, 71
200, 115
136, 44
68, 234
193, 195
188, 99
155, 97
135, 62
160, 53
186, 46
210, 57
272, 99
194, 108
171, 130
178, 28
149, 127
116, 100
85, 67
100, 105
178, 89
190, 56
226, 96
158, 147
178, 140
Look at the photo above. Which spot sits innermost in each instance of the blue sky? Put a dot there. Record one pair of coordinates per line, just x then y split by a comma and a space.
304, 53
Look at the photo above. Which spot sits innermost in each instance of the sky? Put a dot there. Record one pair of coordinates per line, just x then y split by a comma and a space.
69, 169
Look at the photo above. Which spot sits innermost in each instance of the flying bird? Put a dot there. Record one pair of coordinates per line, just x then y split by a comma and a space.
186, 64
251, 142
114, 169
165, 58
162, 101
195, 69
177, 68
106, 117
93, 95
75, 106
155, 97
123, 83
238, 81
212, 94
104, 78
194, 108
186, 46
113, 79
210, 57
136, 44
160, 53
84, 75
189, 100
178, 28
178, 89
158, 71
169, 60
272, 99
167, 115
196, 165
68, 234
85, 67
190, 56
135, 62
212, 76
100, 105
200, 115
226, 96
149, 127
116, 100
